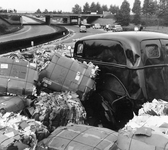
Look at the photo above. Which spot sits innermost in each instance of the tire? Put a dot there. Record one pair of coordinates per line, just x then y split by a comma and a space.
109, 96
96, 112
93, 109
121, 109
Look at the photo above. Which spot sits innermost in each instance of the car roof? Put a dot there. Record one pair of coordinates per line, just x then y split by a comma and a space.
127, 36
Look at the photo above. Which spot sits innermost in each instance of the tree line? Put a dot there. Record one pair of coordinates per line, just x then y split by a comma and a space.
122, 14
7, 10
158, 9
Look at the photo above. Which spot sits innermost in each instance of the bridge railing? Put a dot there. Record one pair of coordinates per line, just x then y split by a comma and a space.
53, 14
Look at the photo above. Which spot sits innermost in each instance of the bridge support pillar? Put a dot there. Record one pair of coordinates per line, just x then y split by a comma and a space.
68, 20
79, 20
48, 20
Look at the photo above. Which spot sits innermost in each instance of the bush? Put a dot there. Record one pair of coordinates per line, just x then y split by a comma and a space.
3, 28
4, 16
15, 18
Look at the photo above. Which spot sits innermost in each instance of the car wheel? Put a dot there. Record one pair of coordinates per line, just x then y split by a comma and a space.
95, 112
121, 110
107, 99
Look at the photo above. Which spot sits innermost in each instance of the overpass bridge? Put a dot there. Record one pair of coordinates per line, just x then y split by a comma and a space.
72, 18
68, 18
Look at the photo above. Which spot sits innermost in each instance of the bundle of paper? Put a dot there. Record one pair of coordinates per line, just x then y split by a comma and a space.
66, 74
59, 109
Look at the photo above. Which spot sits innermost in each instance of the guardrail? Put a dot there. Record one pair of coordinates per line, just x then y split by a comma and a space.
14, 45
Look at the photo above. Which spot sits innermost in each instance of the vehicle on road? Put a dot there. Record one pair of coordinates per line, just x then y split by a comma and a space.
82, 28
108, 27
96, 26
133, 70
116, 28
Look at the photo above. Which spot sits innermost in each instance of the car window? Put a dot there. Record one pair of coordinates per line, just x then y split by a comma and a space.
165, 44
118, 26
105, 51
152, 51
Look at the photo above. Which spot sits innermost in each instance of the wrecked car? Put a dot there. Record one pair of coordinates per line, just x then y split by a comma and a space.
133, 69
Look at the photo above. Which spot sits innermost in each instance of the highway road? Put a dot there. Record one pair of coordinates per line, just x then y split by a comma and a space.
27, 20
77, 34
28, 31
35, 30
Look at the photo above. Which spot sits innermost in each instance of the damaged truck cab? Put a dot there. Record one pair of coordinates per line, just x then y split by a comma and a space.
133, 69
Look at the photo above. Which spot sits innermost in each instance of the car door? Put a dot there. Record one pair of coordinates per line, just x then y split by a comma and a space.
155, 71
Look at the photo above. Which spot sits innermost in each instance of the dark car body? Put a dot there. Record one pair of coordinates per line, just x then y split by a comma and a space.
132, 64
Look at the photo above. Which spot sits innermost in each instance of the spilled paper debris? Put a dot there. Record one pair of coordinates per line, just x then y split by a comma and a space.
21, 132
152, 115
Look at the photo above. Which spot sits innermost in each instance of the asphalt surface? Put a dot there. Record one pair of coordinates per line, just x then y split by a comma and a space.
76, 34
36, 30
28, 31
27, 20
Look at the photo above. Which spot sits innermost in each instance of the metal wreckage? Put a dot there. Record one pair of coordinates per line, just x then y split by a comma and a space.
45, 104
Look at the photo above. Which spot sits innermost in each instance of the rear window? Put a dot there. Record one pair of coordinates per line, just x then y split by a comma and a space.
117, 26
102, 50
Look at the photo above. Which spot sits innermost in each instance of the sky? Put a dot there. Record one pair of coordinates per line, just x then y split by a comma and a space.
51, 5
